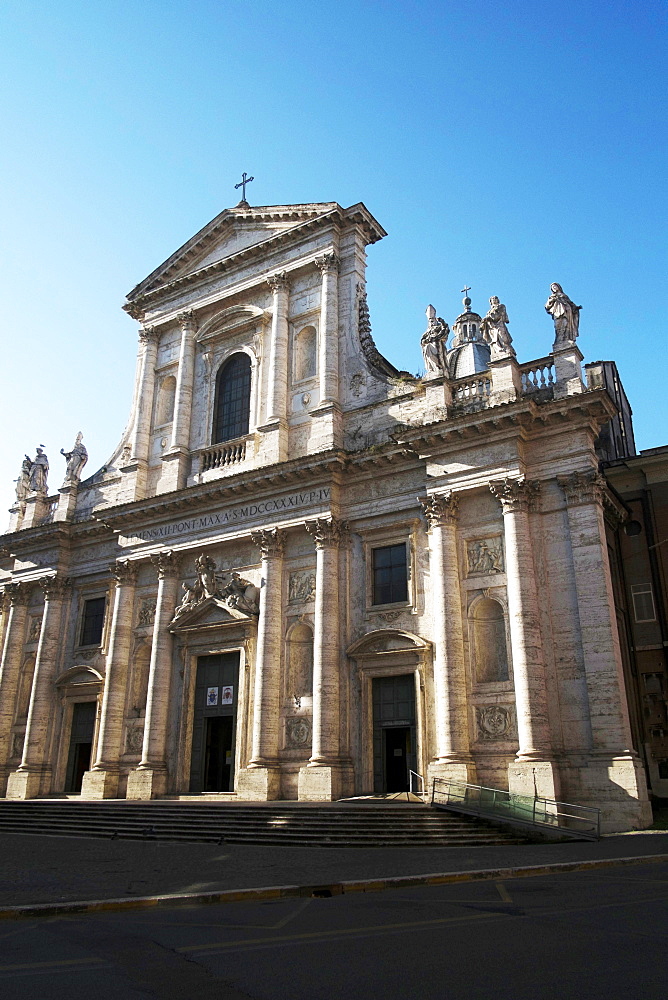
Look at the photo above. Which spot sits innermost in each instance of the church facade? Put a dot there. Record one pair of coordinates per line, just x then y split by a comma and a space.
304, 574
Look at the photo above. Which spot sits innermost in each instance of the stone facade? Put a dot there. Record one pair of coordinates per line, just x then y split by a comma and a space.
299, 581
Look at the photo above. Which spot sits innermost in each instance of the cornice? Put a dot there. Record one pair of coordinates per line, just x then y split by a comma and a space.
54, 533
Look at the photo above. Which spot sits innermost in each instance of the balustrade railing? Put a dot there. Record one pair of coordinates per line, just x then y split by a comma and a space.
537, 375
472, 387
221, 455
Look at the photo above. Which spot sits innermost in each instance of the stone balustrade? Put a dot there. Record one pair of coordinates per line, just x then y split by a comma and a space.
537, 375
472, 389
219, 456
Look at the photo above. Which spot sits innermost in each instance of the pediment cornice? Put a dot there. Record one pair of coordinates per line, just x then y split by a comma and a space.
211, 613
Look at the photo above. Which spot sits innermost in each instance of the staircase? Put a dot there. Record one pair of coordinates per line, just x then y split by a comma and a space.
290, 824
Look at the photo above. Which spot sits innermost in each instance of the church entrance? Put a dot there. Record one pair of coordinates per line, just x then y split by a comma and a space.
214, 724
81, 745
394, 735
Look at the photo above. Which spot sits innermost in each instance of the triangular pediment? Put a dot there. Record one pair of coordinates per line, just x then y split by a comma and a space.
213, 612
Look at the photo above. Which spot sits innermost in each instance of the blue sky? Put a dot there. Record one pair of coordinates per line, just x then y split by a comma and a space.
504, 146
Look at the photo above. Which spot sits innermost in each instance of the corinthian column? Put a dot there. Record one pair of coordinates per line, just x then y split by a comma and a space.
321, 779
329, 328
148, 350
261, 779
614, 778
533, 771
452, 755
102, 781
178, 452
150, 778
33, 774
17, 595
278, 358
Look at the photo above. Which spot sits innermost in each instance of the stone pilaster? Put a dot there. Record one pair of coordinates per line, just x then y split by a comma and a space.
150, 778
322, 778
102, 781
141, 432
261, 779
533, 772
506, 380
567, 370
17, 596
328, 432
452, 755
33, 774
614, 776
275, 428
177, 456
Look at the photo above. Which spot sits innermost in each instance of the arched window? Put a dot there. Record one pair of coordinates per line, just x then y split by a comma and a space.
489, 641
306, 353
165, 410
300, 661
232, 410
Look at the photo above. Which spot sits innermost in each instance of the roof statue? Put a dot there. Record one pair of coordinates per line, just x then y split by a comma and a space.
494, 330
566, 315
433, 343
76, 459
39, 471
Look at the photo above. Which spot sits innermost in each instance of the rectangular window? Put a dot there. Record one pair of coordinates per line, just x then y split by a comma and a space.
390, 574
93, 621
643, 603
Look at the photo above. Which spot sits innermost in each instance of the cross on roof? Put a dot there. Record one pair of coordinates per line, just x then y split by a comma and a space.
242, 184
466, 289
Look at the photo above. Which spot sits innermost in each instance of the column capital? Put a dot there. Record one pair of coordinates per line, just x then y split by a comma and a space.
271, 541
328, 263
124, 571
440, 508
166, 563
187, 321
54, 587
148, 335
516, 494
327, 531
135, 309
583, 487
278, 282
17, 593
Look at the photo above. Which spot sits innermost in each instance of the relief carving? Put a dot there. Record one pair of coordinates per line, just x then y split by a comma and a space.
146, 612
18, 740
496, 722
35, 628
298, 732
301, 587
485, 556
134, 739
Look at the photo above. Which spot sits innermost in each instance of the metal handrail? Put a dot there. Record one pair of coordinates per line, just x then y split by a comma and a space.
411, 775
536, 811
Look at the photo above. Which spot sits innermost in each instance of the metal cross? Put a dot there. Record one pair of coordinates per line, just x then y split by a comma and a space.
242, 184
466, 289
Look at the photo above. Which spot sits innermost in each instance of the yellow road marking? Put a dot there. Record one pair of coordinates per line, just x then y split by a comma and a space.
503, 892
50, 965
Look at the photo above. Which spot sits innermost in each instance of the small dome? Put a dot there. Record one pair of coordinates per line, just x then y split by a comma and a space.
468, 358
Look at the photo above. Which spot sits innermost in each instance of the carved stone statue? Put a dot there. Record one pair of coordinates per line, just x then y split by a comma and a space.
433, 342
206, 575
242, 595
495, 331
39, 471
76, 459
565, 313
23, 482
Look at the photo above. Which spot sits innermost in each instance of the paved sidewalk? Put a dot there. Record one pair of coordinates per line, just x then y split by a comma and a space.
38, 869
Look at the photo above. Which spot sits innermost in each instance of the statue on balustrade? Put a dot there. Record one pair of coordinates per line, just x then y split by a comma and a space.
433, 343
39, 471
566, 315
76, 459
494, 330
23, 482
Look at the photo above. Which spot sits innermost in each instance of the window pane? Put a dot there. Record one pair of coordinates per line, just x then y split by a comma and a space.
232, 412
93, 622
390, 577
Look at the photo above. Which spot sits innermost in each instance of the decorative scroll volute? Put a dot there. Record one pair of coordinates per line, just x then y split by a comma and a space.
166, 563
327, 531
440, 509
516, 494
187, 321
271, 541
148, 335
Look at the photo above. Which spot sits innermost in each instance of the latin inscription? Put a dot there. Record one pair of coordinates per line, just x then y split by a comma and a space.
274, 505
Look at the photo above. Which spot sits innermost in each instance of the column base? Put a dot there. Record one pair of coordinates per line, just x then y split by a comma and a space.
617, 786
274, 441
534, 778
322, 783
451, 770
100, 785
259, 784
146, 784
24, 785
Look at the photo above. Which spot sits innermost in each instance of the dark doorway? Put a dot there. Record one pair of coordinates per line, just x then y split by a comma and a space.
214, 724
81, 745
394, 735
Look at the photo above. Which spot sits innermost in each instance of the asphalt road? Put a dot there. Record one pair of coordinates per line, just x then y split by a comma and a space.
598, 935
